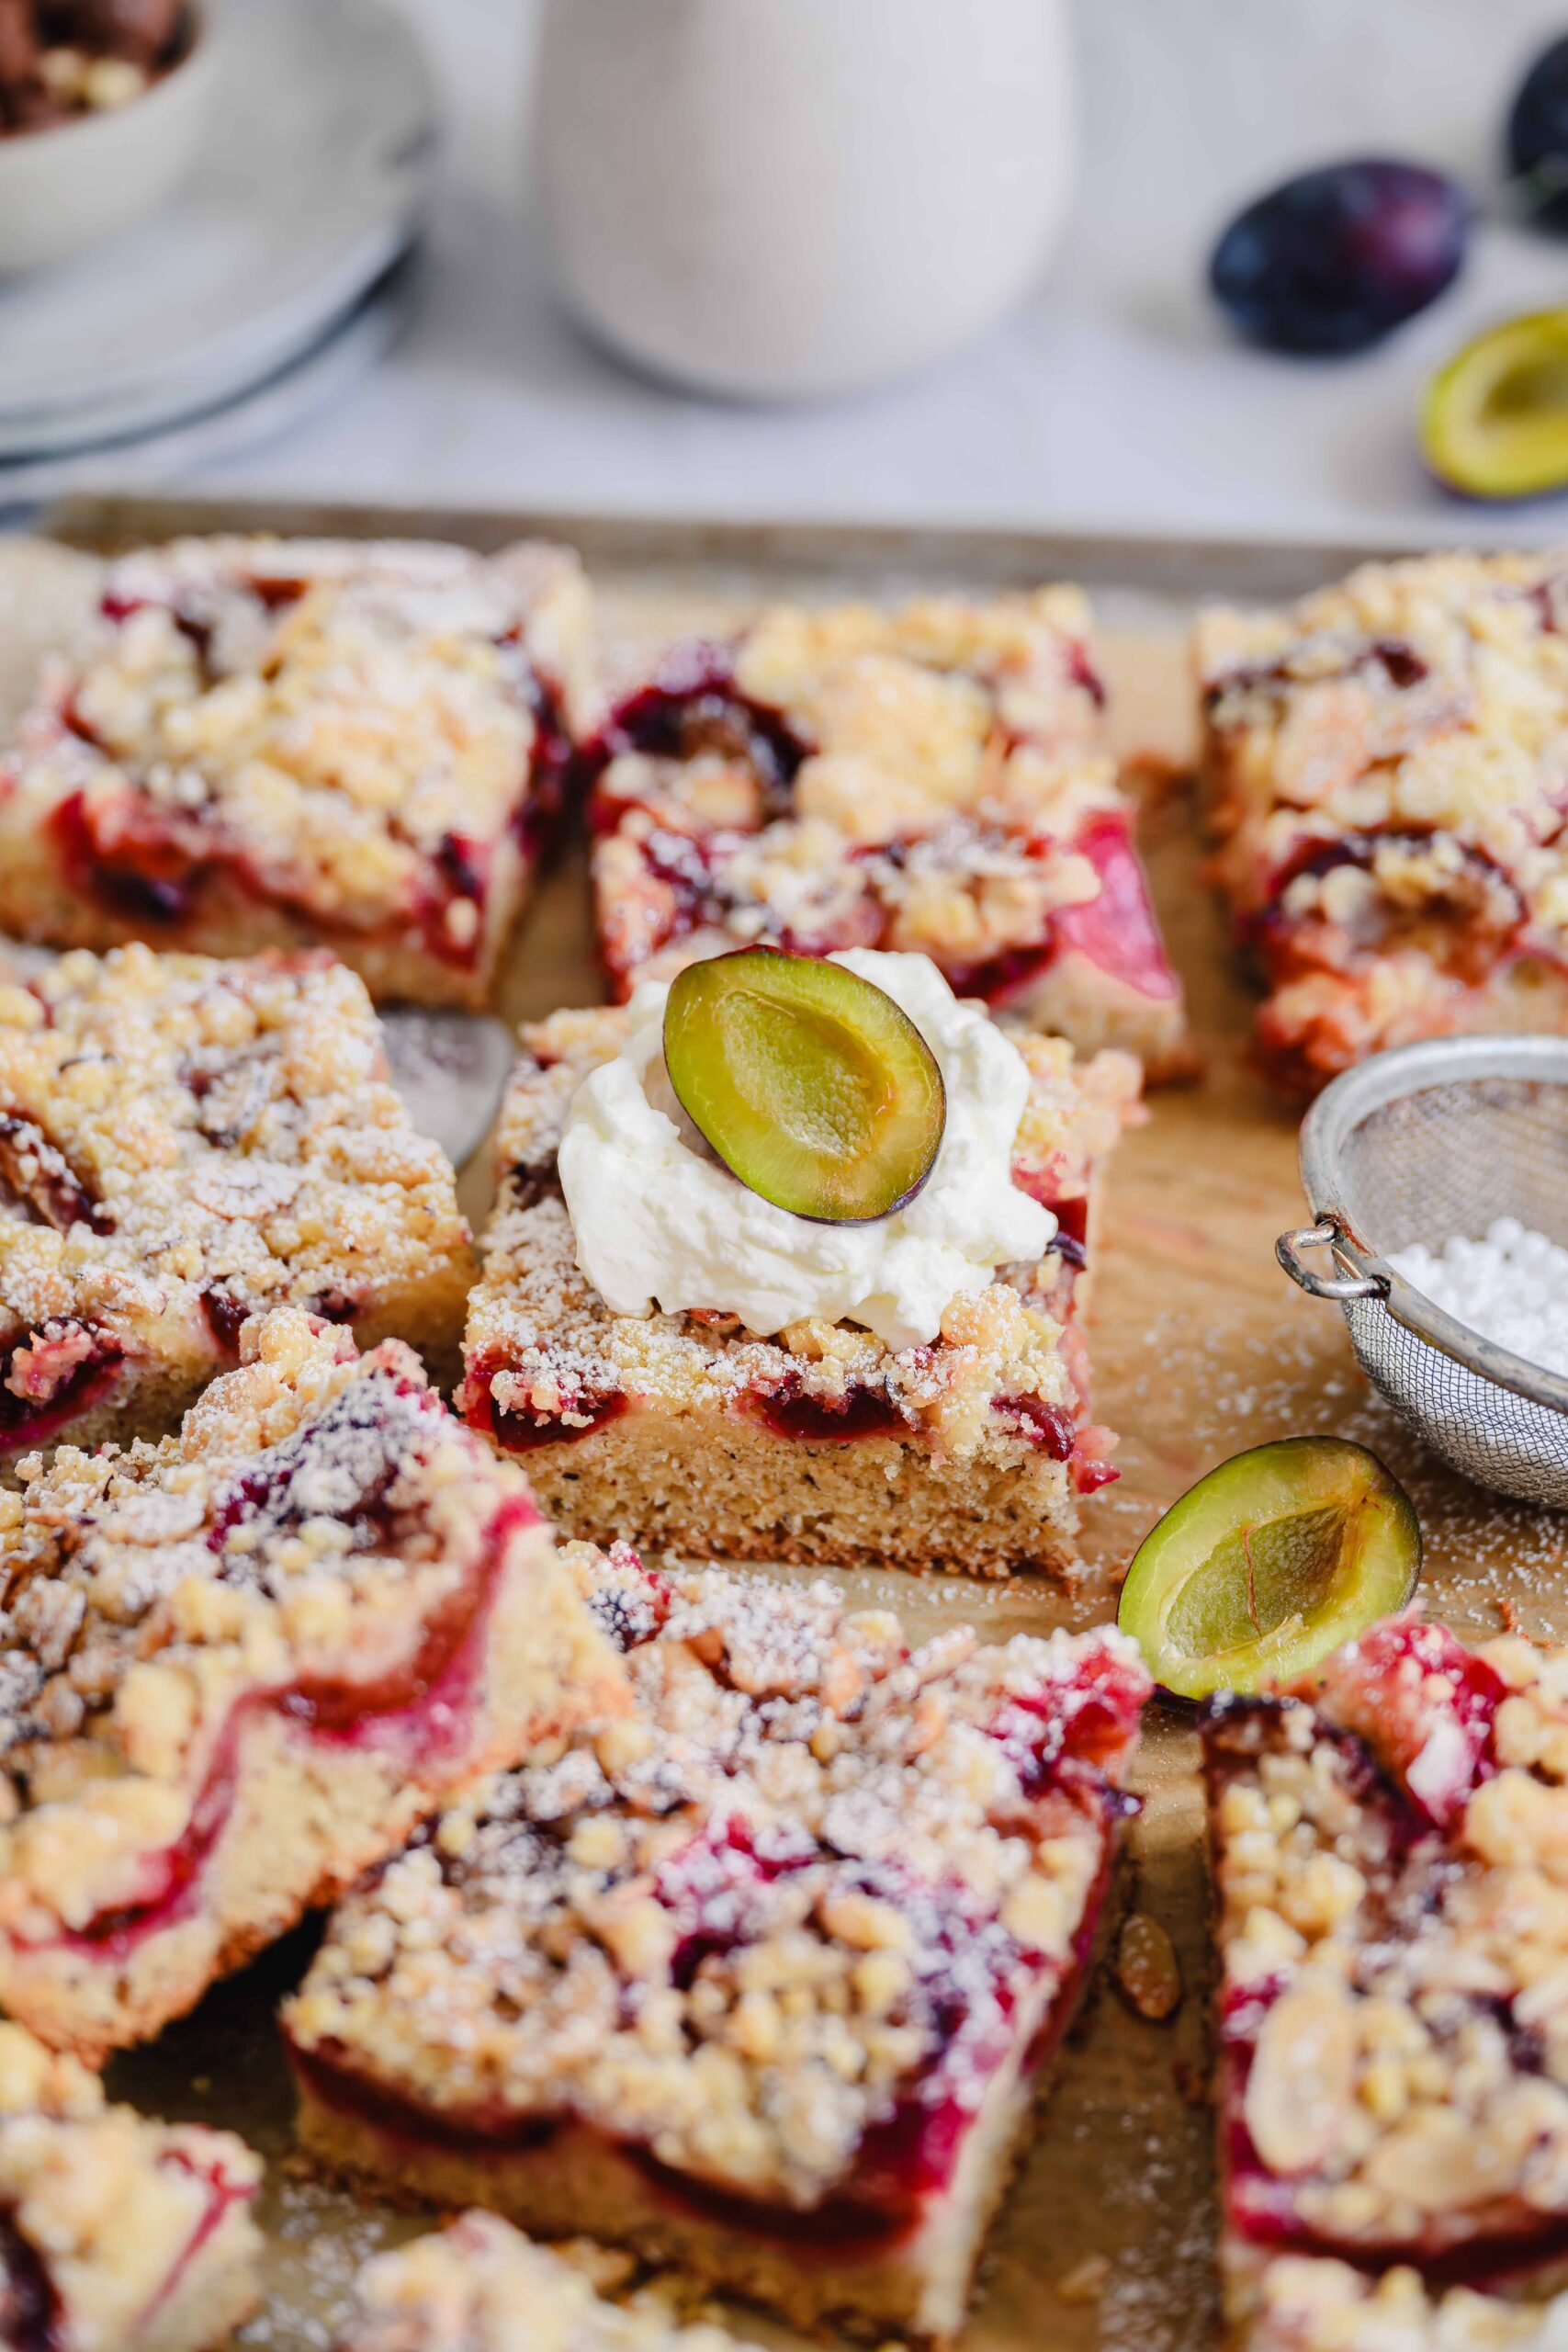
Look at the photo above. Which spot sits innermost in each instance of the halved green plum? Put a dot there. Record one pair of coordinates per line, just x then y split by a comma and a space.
810, 1083
1494, 420
1268, 1565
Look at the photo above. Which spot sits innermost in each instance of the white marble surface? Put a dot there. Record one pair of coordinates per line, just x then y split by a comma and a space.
1113, 401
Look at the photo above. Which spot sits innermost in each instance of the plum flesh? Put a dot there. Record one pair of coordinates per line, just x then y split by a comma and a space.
1494, 420
1268, 1564
810, 1083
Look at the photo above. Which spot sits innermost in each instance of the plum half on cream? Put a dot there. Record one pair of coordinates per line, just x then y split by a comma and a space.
888, 1370
934, 780
242, 1664
761, 1978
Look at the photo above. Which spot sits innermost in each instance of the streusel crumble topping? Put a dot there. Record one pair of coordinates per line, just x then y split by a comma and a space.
1310, 2304
1420, 707
103, 2213
183, 1142
925, 780
1391, 1861
334, 713
481, 2286
782, 1927
316, 1515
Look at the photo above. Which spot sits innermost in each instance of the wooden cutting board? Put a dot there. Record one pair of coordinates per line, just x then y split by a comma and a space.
1199, 1347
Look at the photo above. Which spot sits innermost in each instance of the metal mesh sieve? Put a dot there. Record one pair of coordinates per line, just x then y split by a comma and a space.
1415, 1145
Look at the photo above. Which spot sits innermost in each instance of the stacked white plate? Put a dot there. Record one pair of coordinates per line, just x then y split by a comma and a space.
310, 186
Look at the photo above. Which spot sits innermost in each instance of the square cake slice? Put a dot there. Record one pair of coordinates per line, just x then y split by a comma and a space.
934, 780
288, 743
822, 1443
481, 2286
185, 1143
116, 2235
1387, 777
1389, 1850
758, 1980
241, 1665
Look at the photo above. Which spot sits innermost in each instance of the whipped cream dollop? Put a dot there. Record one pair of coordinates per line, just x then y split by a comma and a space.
659, 1220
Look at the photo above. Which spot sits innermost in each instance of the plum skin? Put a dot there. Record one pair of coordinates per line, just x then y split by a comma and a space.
1537, 136
1330, 263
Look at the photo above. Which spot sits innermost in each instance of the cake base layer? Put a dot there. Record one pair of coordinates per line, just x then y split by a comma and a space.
713, 1486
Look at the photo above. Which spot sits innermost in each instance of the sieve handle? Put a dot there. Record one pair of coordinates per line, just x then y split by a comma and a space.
1288, 1249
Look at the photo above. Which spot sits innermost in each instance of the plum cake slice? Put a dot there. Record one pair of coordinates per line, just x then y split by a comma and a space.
821, 1442
1387, 781
116, 2235
1389, 1844
240, 1666
286, 743
481, 2286
183, 1143
759, 1979
934, 780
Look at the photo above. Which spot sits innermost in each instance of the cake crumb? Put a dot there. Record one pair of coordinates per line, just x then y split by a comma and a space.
1086, 2281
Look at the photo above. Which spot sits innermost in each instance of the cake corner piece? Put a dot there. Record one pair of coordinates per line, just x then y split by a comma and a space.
1382, 783
1393, 2127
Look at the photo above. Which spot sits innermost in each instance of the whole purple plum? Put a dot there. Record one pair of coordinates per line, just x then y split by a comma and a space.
1335, 260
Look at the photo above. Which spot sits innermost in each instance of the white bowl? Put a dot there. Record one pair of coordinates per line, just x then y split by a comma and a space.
67, 188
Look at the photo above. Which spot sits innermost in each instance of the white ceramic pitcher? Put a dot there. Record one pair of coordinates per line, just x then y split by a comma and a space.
782, 197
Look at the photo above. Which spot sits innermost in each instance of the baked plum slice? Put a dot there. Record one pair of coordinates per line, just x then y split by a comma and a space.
1268, 1564
809, 1083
